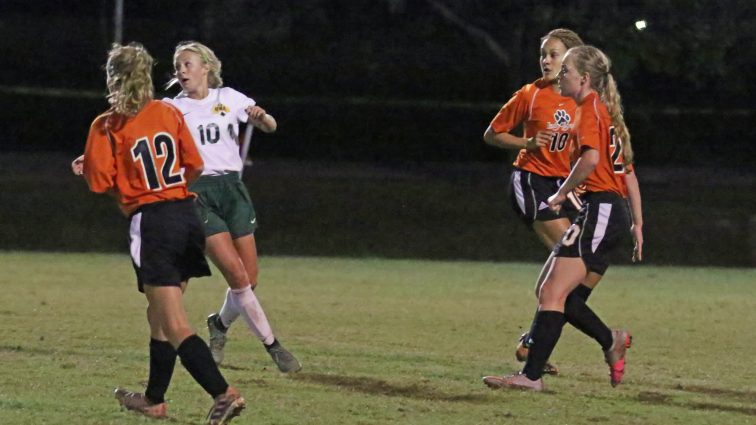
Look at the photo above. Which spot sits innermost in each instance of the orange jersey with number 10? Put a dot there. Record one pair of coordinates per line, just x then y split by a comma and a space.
141, 158
596, 131
540, 108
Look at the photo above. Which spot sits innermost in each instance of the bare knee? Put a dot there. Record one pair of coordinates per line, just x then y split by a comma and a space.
550, 297
177, 333
252, 276
236, 276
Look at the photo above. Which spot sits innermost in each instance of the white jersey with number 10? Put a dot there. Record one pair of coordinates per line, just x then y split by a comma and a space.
214, 124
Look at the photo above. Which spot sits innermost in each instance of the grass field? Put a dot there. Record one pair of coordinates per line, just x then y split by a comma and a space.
382, 342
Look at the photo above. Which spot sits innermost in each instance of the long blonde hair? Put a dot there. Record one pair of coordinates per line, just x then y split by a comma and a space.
569, 38
208, 58
592, 61
129, 78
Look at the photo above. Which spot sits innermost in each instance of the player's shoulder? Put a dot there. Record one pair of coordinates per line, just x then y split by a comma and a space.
166, 105
232, 94
100, 123
599, 109
591, 106
532, 87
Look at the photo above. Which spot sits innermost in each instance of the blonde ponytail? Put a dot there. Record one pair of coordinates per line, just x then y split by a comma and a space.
613, 102
129, 78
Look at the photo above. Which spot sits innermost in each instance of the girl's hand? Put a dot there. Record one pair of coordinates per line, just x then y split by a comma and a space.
77, 166
637, 231
555, 201
256, 114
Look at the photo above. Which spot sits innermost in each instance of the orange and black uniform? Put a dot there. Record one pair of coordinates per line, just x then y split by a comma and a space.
141, 160
603, 221
538, 174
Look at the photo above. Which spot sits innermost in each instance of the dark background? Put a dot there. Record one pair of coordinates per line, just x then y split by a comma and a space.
405, 86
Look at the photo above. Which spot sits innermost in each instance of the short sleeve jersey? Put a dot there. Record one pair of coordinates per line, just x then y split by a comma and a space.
540, 108
595, 131
214, 123
141, 159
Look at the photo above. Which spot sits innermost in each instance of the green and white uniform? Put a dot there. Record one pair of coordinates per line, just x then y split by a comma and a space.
223, 201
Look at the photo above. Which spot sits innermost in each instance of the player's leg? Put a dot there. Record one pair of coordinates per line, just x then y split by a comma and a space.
582, 317
247, 250
152, 403
602, 226
564, 275
220, 249
551, 231
167, 307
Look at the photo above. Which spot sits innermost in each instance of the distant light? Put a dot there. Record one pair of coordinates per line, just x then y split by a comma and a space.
640, 25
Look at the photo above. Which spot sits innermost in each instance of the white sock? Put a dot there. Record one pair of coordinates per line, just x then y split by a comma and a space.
251, 310
229, 312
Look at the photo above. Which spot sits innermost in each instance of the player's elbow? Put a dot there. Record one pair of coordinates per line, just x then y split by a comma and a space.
590, 158
271, 125
489, 135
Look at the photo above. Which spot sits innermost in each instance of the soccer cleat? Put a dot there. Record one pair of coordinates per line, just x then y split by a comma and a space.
139, 403
285, 361
521, 354
225, 407
217, 337
517, 381
615, 356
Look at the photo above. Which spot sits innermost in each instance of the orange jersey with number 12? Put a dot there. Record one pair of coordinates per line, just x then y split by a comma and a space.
540, 108
142, 158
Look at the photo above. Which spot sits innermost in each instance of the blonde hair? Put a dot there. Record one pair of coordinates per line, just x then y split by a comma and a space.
129, 78
208, 58
592, 61
569, 38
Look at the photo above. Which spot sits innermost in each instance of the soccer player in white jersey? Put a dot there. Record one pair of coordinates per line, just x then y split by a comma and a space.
213, 113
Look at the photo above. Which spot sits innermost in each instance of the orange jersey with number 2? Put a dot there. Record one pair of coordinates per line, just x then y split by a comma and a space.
141, 159
596, 131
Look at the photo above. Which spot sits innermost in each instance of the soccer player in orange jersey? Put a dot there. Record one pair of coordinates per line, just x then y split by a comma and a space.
543, 161
141, 152
603, 144
213, 114
542, 164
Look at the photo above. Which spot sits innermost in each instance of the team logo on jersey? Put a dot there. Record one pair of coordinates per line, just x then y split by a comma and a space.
561, 120
221, 109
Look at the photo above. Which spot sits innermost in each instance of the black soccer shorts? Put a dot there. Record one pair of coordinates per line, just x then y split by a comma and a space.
602, 225
529, 194
167, 243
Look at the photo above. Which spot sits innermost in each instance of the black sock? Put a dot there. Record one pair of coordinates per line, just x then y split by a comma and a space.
583, 292
526, 341
273, 344
196, 358
219, 324
162, 361
547, 328
579, 315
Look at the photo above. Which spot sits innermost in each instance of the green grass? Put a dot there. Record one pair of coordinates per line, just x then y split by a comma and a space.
382, 342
